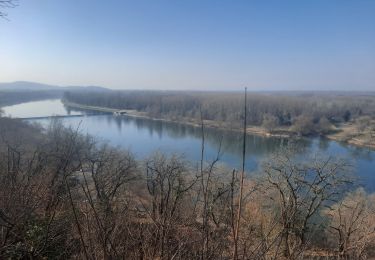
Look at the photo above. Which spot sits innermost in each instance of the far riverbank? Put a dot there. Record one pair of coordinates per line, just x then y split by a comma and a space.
342, 133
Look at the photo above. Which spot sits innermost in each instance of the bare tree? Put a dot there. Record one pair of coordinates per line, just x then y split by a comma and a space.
36, 205
352, 225
270, 122
5, 4
300, 191
106, 174
363, 122
63, 195
168, 186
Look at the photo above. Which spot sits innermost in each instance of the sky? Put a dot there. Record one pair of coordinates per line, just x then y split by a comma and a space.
191, 44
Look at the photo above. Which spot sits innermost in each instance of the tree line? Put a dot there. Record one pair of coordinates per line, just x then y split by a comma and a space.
64, 195
8, 98
303, 114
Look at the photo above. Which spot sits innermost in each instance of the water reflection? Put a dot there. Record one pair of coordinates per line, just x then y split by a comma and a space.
361, 153
231, 142
144, 136
39, 109
186, 139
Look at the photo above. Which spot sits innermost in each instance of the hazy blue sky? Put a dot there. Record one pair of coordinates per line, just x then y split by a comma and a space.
188, 44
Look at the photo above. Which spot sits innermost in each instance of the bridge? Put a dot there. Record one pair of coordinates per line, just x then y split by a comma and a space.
56, 116
94, 111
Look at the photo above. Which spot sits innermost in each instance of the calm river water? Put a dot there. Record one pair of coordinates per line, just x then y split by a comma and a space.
145, 136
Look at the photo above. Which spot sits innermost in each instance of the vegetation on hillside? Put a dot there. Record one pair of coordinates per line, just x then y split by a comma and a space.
63, 195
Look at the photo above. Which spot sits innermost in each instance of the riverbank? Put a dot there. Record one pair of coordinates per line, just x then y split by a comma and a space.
349, 133
255, 130
343, 133
91, 108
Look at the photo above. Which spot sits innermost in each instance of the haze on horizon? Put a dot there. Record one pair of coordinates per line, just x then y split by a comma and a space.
265, 45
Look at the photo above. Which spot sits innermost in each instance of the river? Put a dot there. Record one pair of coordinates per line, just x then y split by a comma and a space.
145, 136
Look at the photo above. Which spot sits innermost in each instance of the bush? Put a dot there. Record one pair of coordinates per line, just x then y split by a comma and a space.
270, 122
303, 125
324, 126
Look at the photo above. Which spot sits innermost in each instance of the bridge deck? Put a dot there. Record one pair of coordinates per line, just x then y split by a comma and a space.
56, 116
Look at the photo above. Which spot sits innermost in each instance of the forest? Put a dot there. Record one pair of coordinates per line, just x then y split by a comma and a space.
65, 195
303, 190
302, 113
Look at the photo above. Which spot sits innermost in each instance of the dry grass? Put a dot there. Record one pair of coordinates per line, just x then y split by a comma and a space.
351, 134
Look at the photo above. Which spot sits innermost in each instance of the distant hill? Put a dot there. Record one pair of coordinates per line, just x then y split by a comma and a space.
33, 86
26, 86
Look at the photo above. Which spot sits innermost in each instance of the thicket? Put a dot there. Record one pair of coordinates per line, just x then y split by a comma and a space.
303, 114
63, 195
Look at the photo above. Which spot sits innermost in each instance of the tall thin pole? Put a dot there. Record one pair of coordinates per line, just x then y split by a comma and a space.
235, 253
244, 139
